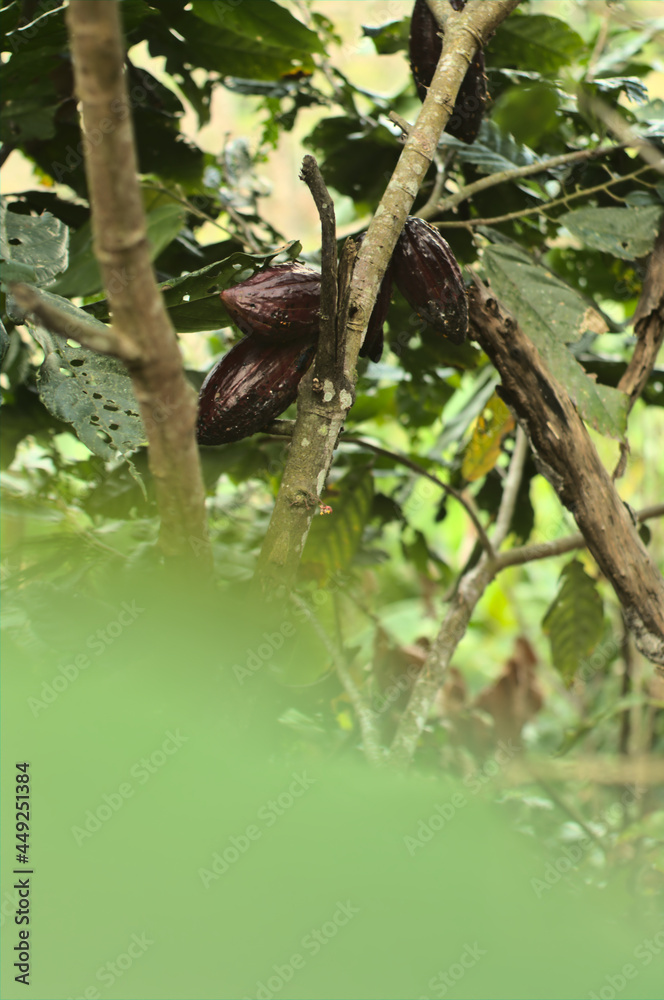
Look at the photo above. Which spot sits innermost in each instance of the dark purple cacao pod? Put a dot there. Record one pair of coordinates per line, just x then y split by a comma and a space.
372, 346
280, 303
425, 48
428, 277
251, 385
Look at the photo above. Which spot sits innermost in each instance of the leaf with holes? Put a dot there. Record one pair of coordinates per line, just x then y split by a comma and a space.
88, 390
33, 249
574, 622
622, 232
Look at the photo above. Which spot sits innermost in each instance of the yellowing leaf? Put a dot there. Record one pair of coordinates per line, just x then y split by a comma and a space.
489, 429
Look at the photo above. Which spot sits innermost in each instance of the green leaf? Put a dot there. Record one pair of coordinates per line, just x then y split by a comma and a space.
493, 150
264, 24
356, 160
622, 232
552, 314
83, 277
259, 40
41, 243
88, 390
528, 112
574, 622
535, 42
389, 37
334, 537
193, 301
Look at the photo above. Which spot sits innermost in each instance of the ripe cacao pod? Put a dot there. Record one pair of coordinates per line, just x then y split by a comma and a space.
280, 303
251, 385
425, 47
372, 346
428, 277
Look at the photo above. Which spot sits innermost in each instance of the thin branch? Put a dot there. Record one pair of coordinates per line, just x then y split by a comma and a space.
167, 402
648, 324
366, 717
603, 770
511, 487
571, 811
625, 133
542, 209
400, 122
421, 471
104, 340
430, 679
560, 546
428, 211
327, 361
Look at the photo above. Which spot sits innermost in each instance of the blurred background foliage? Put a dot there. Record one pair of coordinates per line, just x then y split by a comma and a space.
225, 96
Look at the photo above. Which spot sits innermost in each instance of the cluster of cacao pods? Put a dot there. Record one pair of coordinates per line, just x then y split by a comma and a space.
425, 48
257, 379
279, 311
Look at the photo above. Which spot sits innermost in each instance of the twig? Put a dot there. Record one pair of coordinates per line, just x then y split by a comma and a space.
421, 471
400, 122
511, 487
625, 133
571, 811
430, 679
104, 340
558, 547
428, 211
603, 770
522, 213
366, 717
648, 324
328, 360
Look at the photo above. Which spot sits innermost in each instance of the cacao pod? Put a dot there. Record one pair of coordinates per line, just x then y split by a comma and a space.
425, 46
372, 346
280, 303
251, 385
428, 277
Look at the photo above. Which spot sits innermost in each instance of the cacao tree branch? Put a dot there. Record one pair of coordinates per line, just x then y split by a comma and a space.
648, 324
511, 487
439, 206
320, 417
457, 618
366, 717
167, 402
430, 679
558, 547
543, 209
94, 338
327, 360
570, 461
